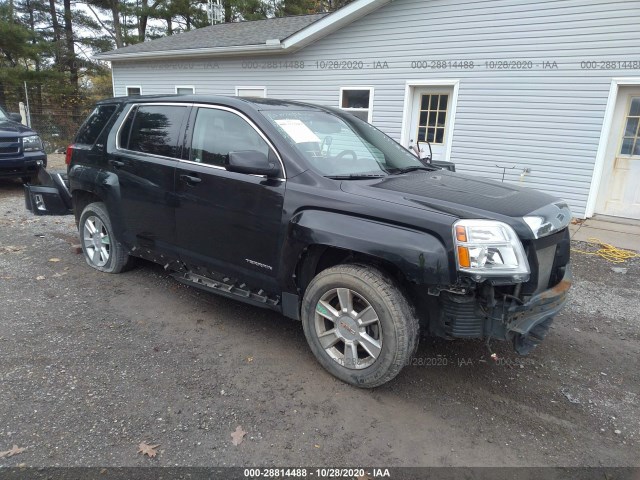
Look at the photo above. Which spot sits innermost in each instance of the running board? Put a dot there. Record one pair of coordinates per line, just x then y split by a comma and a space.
226, 288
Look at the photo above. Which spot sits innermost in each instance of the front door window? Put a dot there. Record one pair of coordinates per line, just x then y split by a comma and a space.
218, 132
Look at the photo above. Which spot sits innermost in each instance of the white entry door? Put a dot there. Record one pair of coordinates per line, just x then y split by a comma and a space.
620, 192
430, 120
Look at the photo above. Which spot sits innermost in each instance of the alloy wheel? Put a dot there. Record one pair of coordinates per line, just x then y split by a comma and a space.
97, 244
348, 328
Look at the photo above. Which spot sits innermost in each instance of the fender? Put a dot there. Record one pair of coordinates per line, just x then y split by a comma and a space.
102, 184
419, 255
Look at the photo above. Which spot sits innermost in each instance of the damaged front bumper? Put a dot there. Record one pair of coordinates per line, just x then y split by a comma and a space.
524, 321
541, 306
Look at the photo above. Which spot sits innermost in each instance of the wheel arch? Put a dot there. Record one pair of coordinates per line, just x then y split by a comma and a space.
319, 257
89, 184
80, 199
318, 240
419, 256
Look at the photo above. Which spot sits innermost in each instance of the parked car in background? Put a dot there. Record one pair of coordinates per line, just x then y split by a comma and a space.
316, 214
21, 150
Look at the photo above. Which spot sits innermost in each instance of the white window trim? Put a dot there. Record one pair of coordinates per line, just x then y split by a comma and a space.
599, 165
369, 109
193, 89
409, 93
127, 87
245, 87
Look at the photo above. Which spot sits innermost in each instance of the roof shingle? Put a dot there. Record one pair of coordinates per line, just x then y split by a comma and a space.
255, 32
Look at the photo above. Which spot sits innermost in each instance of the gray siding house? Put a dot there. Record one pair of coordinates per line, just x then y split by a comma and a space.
546, 93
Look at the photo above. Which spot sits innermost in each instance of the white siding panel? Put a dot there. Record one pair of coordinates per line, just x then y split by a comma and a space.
548, 120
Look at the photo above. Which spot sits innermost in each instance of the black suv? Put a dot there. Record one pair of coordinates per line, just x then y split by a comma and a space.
21, 150
314, 213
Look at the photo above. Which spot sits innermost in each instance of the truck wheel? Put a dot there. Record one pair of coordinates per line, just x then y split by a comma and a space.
101, 249
359, 324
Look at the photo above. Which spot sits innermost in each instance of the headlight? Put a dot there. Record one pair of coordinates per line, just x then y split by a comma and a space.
31, 143
489, 249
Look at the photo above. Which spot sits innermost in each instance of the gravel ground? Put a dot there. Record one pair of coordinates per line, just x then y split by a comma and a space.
92, 364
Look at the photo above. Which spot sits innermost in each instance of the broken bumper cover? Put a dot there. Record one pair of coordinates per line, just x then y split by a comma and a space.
541, 306
524, 322
52, 197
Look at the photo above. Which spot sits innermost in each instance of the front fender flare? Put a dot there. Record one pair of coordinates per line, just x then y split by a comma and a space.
420, 256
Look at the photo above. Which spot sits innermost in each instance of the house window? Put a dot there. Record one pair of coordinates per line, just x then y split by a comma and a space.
433, 118
631, 134
251, 92
358, 101
185, 90
131, 91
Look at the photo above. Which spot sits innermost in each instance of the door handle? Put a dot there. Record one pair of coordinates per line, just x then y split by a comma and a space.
116, 163
190, 179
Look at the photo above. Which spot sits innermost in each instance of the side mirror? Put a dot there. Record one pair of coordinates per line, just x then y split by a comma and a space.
252, 162
16, 117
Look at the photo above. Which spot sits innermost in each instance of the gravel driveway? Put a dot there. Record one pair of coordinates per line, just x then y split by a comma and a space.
92, 364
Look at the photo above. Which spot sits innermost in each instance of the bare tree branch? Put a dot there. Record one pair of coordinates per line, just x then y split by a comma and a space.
101, 22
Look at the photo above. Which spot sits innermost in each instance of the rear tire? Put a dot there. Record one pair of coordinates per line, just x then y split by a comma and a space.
359, 324
100, 247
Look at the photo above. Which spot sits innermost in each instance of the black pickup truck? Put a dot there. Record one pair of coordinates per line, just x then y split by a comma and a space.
314, 213
21, 150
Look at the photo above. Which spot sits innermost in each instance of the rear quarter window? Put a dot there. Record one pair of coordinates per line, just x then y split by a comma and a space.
94, 124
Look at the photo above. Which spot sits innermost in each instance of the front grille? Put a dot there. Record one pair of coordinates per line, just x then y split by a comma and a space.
9, 146
547, 257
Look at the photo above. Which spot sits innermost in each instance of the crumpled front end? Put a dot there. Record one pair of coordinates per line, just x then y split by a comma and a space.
520, 313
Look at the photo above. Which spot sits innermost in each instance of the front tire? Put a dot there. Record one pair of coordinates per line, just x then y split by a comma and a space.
359, 324
100, 247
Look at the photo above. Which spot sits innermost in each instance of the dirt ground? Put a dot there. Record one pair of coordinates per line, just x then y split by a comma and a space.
92, 364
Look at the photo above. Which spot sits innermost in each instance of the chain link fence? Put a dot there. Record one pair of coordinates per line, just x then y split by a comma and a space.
55, 117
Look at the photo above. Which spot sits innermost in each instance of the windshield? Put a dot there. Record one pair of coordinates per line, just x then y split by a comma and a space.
3, 115
338, 147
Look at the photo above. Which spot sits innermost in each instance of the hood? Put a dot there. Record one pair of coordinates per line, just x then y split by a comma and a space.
462, 196
9, 128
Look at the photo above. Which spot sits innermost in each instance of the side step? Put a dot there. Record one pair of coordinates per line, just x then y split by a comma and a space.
228, 289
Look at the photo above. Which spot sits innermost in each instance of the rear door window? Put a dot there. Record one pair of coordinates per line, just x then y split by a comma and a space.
156, 130
94, 125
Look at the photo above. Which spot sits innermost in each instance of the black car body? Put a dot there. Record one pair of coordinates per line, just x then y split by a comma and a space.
21, 150
254, 199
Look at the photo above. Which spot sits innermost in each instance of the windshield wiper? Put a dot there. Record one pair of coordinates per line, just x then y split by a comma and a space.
397, 171
355, 176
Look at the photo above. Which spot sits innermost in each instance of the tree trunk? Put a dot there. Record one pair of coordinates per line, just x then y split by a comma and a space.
70, 50
142, 21
57, 34
37, 103
228, 12
117, 26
